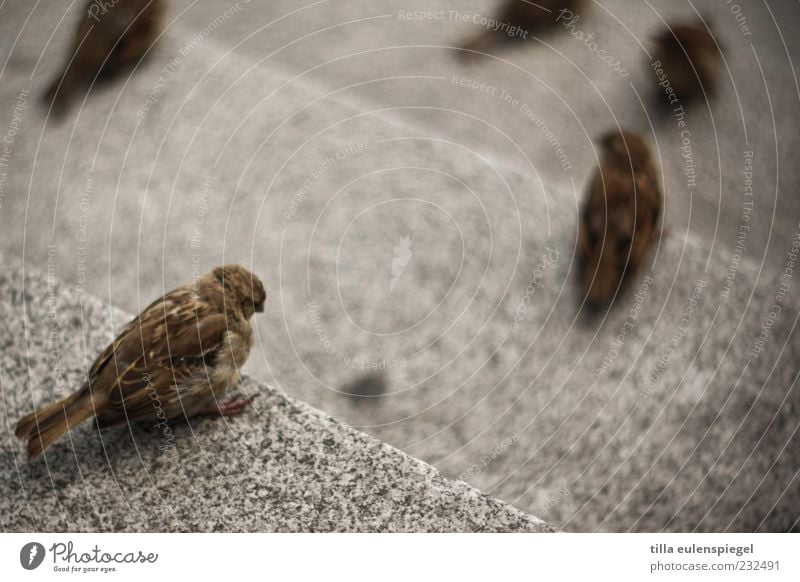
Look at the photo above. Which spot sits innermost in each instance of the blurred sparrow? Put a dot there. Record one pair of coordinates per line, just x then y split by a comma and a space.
176, 358
690, 59
112, 36
619, 216
518, 19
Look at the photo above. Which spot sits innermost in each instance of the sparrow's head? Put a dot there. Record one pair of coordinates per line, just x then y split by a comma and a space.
625, 150
691, 58
242, 288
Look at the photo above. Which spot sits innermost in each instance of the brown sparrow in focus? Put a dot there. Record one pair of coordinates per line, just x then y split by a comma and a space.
619, 216
690, 59
176, 358
519, 18
113, 36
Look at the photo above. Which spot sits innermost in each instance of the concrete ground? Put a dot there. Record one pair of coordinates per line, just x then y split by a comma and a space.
324, 144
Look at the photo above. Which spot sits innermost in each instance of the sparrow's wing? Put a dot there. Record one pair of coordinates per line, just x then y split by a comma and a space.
156, 375
147, 319
173, 340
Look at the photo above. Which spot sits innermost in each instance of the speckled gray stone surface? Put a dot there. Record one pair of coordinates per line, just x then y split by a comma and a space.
282, 466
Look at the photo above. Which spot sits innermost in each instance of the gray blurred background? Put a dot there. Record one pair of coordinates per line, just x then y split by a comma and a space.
318, 142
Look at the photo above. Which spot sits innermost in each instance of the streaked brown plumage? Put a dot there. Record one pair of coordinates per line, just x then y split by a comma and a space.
619, 217
690, 58
178, 356
532, 17
106, 43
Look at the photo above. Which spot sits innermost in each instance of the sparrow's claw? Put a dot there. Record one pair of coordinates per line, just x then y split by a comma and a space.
232, 407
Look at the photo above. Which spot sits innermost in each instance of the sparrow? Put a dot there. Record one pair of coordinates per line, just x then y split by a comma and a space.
177, 358
113, 36
619, 216
518, 19
690, 58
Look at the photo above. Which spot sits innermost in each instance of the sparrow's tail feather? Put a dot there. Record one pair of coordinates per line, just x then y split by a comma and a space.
45, 426
478, 44
60, 93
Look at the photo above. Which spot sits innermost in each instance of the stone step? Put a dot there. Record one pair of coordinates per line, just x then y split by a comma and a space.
282, 466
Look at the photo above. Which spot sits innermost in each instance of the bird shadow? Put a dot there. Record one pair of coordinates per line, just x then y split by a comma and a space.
367, 390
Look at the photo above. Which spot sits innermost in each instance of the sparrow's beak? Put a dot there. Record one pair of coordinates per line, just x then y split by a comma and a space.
259, 308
